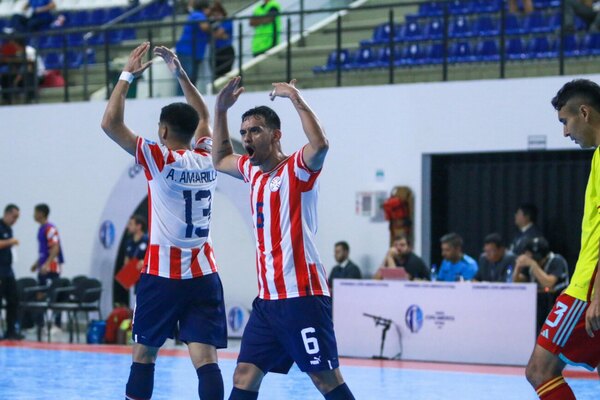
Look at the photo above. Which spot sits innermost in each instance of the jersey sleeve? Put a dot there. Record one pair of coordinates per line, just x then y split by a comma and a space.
151, 156
203, 145
244, 167
52, 236
303, 173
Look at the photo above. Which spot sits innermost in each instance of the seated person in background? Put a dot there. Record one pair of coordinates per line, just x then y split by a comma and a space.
525, 218
513, 6
345, 268
495, 263
587, 10
456, 265
40, 16
401, 255
538, 264
549, 270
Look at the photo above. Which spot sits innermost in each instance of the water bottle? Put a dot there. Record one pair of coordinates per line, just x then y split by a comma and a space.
434, 273
509, 273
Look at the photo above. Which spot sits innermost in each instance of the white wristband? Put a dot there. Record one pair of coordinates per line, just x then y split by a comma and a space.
126, 76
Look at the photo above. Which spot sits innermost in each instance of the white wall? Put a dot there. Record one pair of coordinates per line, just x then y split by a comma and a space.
58, 154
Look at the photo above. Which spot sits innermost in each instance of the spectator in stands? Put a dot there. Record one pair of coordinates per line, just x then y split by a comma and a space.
192, 49
587, 10
267, 26
345, 268
401, 255
49, 263
456, 265
25, 70
525, 218
8, 284
513, 6
40, 18
549, 270
496, 263
223, 35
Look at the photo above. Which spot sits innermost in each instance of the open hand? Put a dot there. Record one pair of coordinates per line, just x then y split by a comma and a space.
283, 89
592, 318
134, 63
229, 94
170, 59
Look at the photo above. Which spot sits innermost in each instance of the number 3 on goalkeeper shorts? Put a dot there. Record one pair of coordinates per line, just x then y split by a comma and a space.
311, 345
560, 311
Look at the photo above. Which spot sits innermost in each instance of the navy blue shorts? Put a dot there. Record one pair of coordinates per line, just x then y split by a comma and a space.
281, 332
196, 304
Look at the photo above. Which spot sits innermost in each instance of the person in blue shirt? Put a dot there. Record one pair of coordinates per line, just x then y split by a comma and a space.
192, 49
40, 19
456, 266
222, 32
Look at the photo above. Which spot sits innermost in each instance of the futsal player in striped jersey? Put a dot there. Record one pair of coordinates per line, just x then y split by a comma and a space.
291, 317
571, 333
179, 284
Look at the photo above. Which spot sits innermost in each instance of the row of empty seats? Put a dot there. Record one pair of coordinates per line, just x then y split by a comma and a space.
465, 7
462, 51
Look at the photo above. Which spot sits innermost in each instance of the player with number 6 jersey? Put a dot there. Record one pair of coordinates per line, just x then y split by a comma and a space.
179, 286
291, 317
571, 333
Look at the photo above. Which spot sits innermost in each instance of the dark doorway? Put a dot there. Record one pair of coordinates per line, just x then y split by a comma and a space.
121, 295
477, 194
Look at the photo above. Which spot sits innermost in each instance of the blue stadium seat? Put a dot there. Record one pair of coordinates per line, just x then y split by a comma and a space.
114, 13
515, 50
461, 53
75, 39
435, 53
332, 61
546, 3
411, 55
487, 26
363, 58
571, 46
98, 16
460, 27
411, 31
50, 41
512, 25
554, 22
74, 59
383, 58
381, 35
536, 22
435, 29
431, 9
461, 7
591, 44
487, 51
539, 48
486, 6
91, 56
128, 34
53, 61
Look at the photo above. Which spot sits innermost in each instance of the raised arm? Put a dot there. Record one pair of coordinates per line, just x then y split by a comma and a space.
224, 158
192, 95
113, 123
316, 150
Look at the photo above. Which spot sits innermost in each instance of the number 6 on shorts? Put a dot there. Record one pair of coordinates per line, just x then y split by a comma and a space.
310, 343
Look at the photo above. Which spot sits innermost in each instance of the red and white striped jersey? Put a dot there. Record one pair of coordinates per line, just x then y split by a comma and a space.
284, 211
181, 187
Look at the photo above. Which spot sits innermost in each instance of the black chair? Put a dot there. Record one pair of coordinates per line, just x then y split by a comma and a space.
36, 300
83, 296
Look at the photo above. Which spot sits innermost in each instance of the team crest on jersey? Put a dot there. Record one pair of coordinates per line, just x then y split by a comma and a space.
275, 184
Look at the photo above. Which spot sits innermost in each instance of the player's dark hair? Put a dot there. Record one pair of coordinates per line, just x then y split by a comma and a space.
140, 220
344, 245
181, 118
494, 238
453, 239
271, 118
529, 210
402, 236
539, 248
587, 91
10, 207
43, 208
